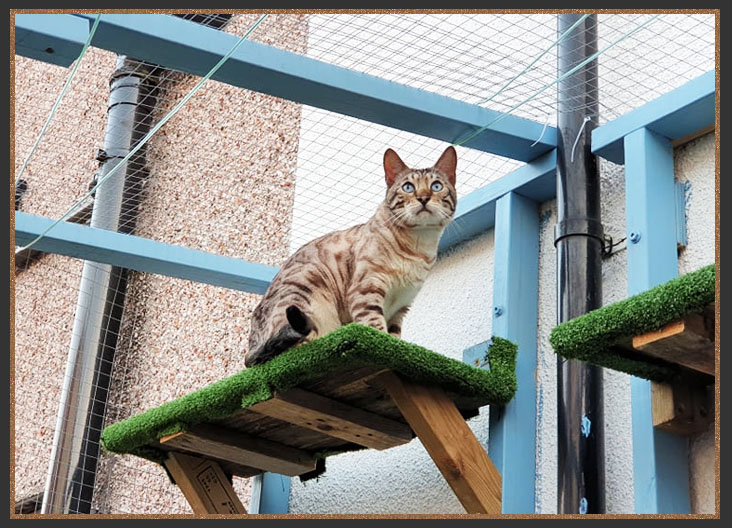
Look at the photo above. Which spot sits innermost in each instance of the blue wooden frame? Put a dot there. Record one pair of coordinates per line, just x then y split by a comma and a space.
52, 38
512, 442
183, 45
142, 254
642, 140
674, 115
476, 212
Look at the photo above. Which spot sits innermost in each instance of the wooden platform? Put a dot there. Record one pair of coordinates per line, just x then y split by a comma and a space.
685, 406
352, 409
356, 388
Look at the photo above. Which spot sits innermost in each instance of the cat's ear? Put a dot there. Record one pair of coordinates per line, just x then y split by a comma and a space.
393, 166
448, 163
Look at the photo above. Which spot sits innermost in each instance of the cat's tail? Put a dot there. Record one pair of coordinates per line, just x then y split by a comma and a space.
298, 326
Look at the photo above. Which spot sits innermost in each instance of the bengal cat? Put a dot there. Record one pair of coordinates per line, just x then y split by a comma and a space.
369, 273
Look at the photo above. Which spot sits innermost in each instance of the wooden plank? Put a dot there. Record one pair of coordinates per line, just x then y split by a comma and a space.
204, 485
53, 38
686, 342
449, 441
224, 444
675, 115
660, 459
681, 408
512, 438
185, 46
334, 418
691, 137
142, 254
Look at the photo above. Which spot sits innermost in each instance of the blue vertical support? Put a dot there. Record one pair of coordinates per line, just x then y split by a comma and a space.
660, 460
275, 497
512, 442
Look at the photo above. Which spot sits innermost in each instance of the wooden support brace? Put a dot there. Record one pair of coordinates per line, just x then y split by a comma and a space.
449, 441
334, 418
204, 485
687, 342
224, 444
681, 408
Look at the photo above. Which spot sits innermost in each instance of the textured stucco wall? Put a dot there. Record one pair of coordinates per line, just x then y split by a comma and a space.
450, 313
221, 180
694, 164
222, 176
45, 294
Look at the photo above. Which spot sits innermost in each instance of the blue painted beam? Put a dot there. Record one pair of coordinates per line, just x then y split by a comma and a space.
675, 115
660, 460
475, 213
183, 45
275, 495
142, 254
52, 38
512, 442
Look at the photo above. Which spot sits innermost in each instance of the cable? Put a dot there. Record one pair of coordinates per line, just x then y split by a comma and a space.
151, 132
559, 79
560, 39
60, 96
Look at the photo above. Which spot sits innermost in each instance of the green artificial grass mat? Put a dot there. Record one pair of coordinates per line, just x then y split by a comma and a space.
351, 346
595, 337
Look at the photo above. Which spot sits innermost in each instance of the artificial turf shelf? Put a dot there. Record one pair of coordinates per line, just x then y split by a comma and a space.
351, 347
601, 337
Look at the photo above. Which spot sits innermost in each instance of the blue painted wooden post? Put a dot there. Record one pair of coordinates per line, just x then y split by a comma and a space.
512, 442
275, 496
660, 460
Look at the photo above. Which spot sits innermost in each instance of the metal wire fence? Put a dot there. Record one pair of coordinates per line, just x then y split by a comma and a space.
253, 176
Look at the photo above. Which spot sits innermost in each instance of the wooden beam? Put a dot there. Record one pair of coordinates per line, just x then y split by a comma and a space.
681, 408
53, 38
660, 460
142, 254
204, 485
185, 46
334, 418
476, 211
686, 342
678, 114
449, 441
691, 137
225, 444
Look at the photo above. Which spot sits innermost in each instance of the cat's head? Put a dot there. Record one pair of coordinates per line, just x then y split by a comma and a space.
421, 197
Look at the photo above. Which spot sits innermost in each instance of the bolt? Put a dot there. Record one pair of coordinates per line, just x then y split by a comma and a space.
635, 237
497, 311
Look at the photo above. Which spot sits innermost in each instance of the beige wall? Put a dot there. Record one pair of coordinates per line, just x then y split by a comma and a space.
222, 176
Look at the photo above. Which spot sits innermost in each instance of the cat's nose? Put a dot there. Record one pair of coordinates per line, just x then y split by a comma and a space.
423, 199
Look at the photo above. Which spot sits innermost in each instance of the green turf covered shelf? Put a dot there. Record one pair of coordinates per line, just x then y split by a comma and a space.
681, 315
321, 398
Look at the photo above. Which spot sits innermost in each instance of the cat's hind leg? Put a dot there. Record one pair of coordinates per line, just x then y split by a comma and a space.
292, 332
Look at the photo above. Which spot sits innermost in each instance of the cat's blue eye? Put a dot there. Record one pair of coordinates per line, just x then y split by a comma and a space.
408, 187
436, 186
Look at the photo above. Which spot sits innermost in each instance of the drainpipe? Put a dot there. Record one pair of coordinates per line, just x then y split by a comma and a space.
71, 475
579, 241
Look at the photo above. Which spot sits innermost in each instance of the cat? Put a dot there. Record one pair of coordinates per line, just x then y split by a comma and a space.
369, 273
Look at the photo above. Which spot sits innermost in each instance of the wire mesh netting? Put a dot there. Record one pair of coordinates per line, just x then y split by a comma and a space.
252, 176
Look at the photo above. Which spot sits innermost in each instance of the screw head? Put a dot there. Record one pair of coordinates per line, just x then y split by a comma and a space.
635, 237
497, 311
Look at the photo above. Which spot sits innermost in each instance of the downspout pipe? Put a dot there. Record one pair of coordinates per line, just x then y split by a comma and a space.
75, 452
579, 242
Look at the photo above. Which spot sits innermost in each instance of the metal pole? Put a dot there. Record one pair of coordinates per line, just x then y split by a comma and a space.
95, 307
579, 241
